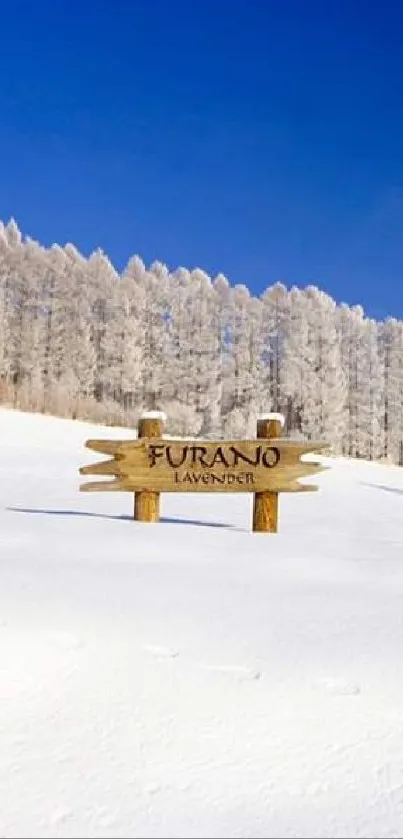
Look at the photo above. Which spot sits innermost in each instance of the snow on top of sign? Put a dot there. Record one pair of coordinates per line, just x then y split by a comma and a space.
156, 415
272, 415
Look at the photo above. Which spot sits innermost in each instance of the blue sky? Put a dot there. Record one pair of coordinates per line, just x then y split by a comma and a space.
262, 139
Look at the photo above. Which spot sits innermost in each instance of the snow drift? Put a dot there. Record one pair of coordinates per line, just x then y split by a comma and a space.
191, 678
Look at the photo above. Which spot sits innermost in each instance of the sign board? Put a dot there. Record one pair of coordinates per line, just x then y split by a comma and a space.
160, 465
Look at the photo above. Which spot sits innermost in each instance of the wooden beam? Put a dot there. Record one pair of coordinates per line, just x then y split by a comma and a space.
147, 503
265, 506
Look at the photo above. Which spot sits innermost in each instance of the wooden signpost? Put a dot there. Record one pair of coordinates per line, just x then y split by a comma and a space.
151, 465
265, 504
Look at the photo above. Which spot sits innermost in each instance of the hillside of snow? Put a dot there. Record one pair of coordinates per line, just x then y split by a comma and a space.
192, 678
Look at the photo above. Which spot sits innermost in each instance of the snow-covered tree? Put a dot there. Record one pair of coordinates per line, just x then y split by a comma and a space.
125, 342
156, 313
101, 278
275, 316
78, 339
324, 411
391, 355
370, 426
82, 346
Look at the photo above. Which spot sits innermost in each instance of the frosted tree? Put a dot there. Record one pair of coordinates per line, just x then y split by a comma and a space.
79, 340
125, 343
56, 311
102, 278
82, 347
370, 428
21, 312
324, 413
298, 364
14, 295
6, 308
183, 416
362, 364
204, 381
361, 361
350, 326
156, 309
182, 420
244, 371
21, 336
224, 322
258, 401
275, 318
313, 376
13, 234
391, 355
30, 390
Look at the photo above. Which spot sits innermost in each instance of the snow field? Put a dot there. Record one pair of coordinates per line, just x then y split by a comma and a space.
191, 678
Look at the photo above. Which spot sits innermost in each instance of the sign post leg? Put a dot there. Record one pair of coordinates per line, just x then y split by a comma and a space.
147, 503
265, 504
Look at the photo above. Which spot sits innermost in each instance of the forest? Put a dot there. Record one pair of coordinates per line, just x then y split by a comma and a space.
80, 339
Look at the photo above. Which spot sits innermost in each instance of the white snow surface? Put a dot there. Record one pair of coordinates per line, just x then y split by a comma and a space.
159, 415
192, 678
273, 415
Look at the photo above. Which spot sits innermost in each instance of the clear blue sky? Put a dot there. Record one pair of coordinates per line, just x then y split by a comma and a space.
262, 139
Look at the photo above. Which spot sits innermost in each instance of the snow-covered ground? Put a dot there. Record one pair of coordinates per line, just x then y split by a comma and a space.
191, 678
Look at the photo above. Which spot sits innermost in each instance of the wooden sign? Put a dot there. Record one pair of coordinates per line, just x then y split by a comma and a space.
151, 465
159, 465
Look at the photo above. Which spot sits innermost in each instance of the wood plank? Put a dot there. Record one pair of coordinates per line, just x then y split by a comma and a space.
158, 465
124, 447
122, 468
142, 452
137, 485
285, 480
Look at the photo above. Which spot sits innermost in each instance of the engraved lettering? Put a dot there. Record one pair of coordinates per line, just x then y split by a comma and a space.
198, 454
238, 455
271, 457
154, 452
217, 479
219, 457
181, 460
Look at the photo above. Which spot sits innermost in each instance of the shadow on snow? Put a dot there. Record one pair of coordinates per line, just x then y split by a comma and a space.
394, 490
82, 513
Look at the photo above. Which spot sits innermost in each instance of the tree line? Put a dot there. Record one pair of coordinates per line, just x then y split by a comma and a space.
78, 339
